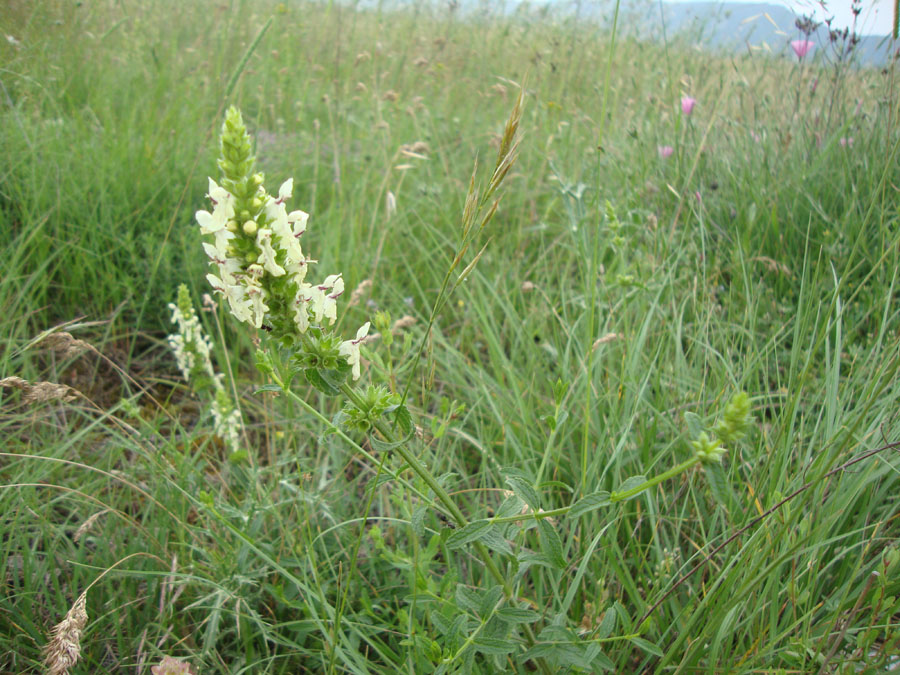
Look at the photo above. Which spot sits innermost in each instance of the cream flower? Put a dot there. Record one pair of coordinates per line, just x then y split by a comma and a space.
350, 349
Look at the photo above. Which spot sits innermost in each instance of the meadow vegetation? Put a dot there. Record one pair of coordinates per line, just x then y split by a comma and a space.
649, 259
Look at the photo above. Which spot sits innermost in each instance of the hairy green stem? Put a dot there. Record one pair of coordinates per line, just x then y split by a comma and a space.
656, 480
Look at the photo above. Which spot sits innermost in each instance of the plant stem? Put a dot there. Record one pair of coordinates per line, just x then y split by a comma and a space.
422, 471
656, 480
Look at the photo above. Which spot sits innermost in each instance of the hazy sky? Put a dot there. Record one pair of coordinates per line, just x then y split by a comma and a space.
875, 19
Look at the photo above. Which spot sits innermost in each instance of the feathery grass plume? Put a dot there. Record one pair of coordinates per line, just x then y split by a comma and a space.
65, 344
361, 289
88, 524
40, 392
170, 666
64, 648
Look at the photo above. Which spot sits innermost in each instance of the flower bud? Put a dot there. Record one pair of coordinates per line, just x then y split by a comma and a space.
250, 227
231, 226
256, 203
708, 449
257, 179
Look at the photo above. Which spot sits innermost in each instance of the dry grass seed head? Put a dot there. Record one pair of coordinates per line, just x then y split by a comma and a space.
39, 392
359, 292
65, 344
64, 648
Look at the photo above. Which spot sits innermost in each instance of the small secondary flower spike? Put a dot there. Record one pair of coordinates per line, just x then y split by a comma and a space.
192, 348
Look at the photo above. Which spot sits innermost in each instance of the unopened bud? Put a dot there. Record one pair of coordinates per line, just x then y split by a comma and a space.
250, 227
231, 226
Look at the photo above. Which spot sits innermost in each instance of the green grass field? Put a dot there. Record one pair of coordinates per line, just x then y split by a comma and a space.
620, 301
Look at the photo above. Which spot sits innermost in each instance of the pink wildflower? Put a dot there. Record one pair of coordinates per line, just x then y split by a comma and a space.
801, 48
665, 151
687, 105
846, 142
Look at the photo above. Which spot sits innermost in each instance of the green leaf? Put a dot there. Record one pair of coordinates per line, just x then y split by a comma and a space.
551, 544
469, 533
647, 646
511, 506
404, 420
468, 598
263, 362
523, 488
694, 424
494, 540
315, 378
487, 645
629, 484
489, 600
517, 615
385, 446
268, 387
588, 503
418, 521
720, 486
607, 624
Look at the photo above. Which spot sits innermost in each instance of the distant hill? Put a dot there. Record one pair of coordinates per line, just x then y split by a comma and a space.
753, 26
726, 26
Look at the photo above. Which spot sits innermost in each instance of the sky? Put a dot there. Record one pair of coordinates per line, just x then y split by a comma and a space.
876, 17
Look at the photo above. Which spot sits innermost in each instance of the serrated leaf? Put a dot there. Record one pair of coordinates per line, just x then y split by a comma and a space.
385, 446
523, 489
316, 379
517, 615
487, 645
495, 541
528, 559
694, 424
467, 598
469, 533
382, 479
457, 631
624, 618
607, 624
629, 484
511, 506
647, 646
489, 600
598, 659
551, 544
588, 503
554, 633
403, 420
263, 361
560, 655
440, 622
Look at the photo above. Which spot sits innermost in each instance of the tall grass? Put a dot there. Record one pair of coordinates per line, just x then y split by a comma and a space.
762, 255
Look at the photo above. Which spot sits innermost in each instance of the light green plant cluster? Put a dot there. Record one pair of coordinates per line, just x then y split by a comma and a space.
735, 422
192, 348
